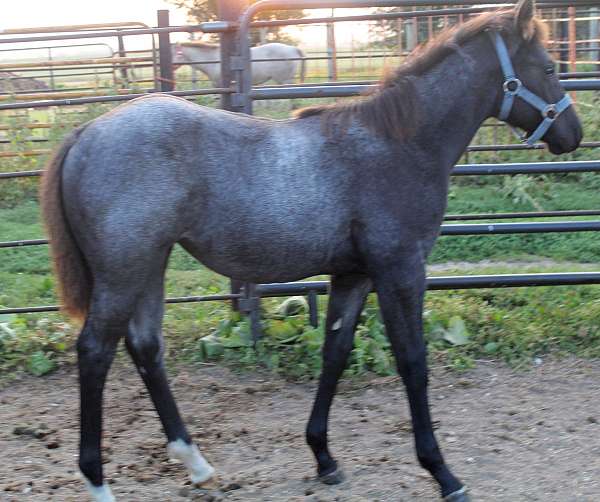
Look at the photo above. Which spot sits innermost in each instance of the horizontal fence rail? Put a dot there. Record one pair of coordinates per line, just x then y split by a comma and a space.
575, 166
340, 91
109, 99
529, 214
467, 229
433, 284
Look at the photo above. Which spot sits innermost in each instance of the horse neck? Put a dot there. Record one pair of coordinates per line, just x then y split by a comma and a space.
456, 96
212, 70
201, 53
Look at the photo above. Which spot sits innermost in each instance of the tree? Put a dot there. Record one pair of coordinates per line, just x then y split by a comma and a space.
206, 10
408, 31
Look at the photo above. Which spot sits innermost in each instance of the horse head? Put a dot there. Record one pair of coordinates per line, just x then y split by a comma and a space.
532, 97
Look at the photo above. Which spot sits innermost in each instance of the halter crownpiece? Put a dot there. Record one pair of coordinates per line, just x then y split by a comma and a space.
513, 87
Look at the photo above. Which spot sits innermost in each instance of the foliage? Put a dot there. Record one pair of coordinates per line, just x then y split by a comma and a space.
32, 344
410, 31
520, 189
514, 325
207, 10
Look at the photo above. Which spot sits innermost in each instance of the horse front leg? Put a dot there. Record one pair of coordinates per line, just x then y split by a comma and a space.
400, 289
346, 301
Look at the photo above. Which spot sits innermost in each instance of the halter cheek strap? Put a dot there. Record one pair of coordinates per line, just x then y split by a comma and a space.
513, 87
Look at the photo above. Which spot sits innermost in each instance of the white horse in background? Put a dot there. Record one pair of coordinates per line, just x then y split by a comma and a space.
282, 72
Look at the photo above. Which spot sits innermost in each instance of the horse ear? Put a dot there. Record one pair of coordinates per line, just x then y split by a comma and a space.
524, 11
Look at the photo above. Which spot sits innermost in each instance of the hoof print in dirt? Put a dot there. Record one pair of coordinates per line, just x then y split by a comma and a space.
333, 478
229, 487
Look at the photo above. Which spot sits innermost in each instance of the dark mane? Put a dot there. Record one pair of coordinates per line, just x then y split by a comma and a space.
392, 110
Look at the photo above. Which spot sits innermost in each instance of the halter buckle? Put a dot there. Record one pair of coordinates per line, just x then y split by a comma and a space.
515, 83
550, 112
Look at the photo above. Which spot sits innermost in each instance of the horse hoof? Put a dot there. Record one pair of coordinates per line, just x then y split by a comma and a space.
458, 496
333, 478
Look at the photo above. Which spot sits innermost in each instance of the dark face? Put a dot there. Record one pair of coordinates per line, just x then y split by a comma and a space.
537, 72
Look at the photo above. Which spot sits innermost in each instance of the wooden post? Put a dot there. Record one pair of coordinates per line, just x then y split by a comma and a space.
572, 40
331, 52
123, 68
594, 34
167, 76
564, 51
399, 27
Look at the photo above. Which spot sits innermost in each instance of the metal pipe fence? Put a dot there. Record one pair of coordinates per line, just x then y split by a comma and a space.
241, 95
433, 284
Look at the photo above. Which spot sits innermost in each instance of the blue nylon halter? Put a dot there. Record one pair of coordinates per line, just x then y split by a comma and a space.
513, 87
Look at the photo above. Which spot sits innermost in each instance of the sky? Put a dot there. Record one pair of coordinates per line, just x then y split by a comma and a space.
30, 13
38, 13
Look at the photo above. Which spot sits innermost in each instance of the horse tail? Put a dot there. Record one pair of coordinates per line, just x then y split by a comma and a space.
74, 277
302, 64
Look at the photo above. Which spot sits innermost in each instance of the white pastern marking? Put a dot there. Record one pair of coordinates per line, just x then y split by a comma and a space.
99, 493
200, 470
337, 325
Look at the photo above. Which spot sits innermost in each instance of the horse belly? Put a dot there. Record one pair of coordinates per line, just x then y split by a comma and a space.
270, 251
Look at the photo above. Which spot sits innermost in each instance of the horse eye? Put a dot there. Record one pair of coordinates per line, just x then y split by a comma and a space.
549, 69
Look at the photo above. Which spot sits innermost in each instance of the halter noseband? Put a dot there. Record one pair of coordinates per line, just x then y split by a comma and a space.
513, 87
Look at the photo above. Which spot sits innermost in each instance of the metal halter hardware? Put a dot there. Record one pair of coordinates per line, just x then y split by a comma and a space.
513, 87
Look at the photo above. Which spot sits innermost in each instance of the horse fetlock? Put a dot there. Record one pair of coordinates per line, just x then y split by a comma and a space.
90, 466
458, 496
100, 493
188, 454
333, 478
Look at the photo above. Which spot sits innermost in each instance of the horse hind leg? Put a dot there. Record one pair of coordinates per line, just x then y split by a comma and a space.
145, 345
105, 325
346, 300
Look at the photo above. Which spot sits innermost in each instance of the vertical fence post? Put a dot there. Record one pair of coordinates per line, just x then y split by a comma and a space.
399, 30
430, 27
167, 79
331, 52
572, 40
411, 33
229, 10
123, 66
564, 37
594, 34
52, 83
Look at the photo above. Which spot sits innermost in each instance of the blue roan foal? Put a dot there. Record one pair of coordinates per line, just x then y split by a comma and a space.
357, 191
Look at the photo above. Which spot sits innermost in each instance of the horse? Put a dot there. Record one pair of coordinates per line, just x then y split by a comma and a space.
355, 190
282, 69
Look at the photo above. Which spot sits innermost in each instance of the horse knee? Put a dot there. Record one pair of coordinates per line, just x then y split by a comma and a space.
95, 349
144, 349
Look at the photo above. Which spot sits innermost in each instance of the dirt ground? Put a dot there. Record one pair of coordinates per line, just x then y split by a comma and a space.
510, 435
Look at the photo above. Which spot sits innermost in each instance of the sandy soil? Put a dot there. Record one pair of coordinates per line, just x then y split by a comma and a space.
511, 436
